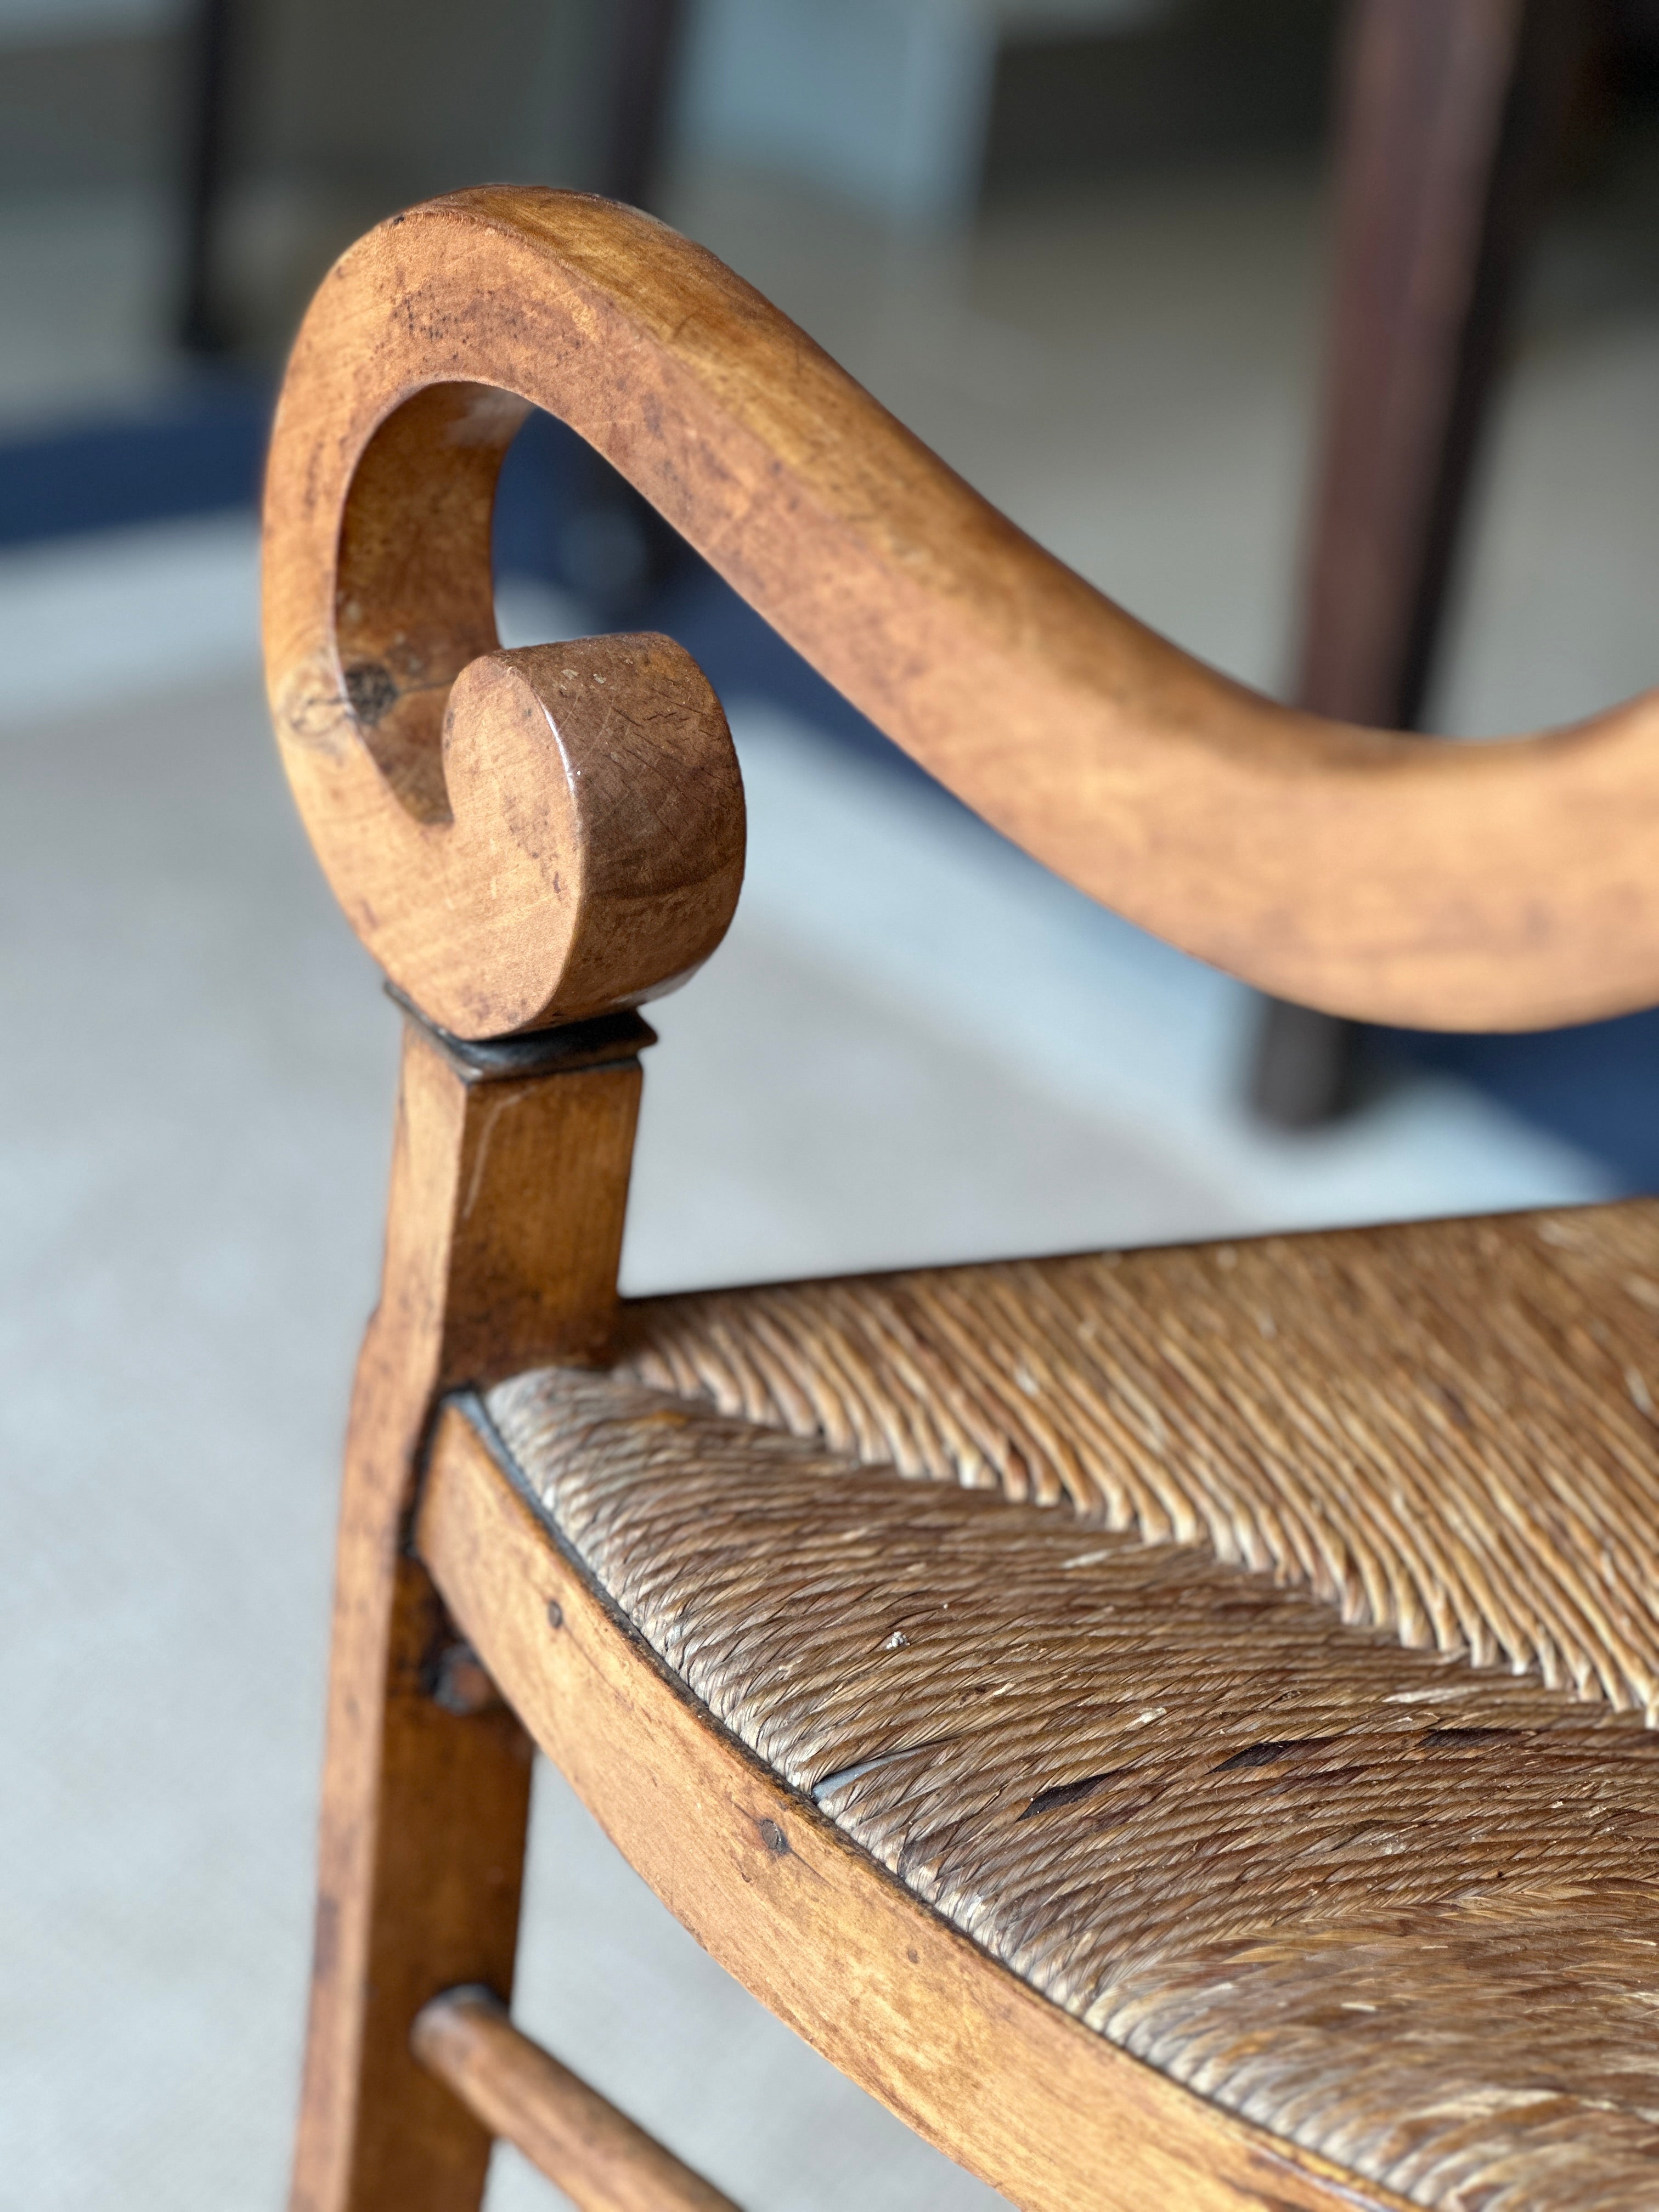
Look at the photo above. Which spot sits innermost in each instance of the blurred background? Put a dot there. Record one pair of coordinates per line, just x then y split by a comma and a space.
1092, 251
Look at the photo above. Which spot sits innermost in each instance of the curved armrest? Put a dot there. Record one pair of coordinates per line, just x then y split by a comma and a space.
1500, 885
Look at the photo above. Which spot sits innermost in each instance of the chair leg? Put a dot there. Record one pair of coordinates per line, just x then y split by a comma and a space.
1307, 1066
509, 1180
1451, 113
646, 36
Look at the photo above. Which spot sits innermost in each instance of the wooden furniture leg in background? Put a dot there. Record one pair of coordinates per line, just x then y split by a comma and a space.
610, 545
509, 1184
206, 101
1451, 112
646, 36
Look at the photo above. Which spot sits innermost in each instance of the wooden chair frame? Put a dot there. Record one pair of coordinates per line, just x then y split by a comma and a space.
532, 843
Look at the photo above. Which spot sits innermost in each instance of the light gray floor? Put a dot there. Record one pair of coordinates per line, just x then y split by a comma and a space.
195, 1098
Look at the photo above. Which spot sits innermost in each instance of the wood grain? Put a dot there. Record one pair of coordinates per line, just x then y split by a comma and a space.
591, 2152
538, 835
1494, 886
967, 2053
1393, 1910
1445, 1429
510, 1179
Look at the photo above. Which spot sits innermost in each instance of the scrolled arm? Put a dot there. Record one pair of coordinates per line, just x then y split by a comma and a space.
526, 838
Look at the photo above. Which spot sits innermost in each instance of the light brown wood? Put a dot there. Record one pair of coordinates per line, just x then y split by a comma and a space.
509, 1180
971, 2056
1501, 885
526, 838
594, 2154
519, 837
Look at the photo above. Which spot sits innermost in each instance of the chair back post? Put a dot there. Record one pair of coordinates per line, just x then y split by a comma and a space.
508, 1188
531, 842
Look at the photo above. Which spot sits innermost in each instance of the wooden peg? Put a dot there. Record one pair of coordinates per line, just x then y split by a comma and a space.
597, 2155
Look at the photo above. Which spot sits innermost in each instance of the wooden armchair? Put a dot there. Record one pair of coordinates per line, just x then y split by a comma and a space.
1176, 1726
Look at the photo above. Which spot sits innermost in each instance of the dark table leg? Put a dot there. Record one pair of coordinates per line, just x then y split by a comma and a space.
613, 547
207, 64
646, 36
1451, 112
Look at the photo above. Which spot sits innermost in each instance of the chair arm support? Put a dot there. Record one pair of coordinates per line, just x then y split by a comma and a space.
1509, 885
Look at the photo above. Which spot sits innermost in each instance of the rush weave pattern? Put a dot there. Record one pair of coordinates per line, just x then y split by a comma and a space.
1447, 1430
1393, 1908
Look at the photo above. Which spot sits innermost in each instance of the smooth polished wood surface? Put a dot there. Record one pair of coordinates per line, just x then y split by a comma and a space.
1394, 1908
1053, 2115
508, 1185
591, 2152
1498, 886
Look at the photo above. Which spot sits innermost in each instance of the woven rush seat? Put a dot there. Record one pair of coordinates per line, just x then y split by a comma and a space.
1251, 1647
